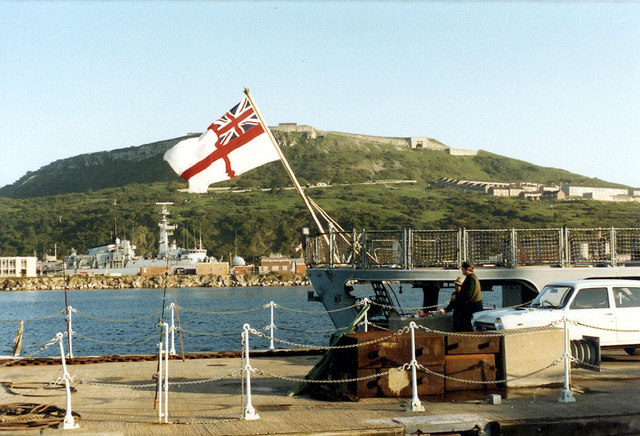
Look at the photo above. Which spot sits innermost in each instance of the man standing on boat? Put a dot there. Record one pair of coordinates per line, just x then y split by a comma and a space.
466, 301
470, 296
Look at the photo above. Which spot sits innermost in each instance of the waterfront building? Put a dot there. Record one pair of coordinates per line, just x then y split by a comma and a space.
18, 266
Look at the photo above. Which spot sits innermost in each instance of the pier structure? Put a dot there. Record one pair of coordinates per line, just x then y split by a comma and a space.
223, 394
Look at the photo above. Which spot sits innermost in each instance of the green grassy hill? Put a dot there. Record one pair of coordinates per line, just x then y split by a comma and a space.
82, 202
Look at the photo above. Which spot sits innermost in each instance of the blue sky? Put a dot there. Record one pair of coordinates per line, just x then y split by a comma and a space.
553, 83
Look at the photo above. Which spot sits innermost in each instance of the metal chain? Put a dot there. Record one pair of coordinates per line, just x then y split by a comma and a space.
308, 331
506, 380
337, 381
28, 347
601, 328
335, 347
96, 318
41, 349
411, 309
113, 385
32, 392
204, 312
600, 368
35, 319
379, 327
233, 374
206, 333
229, 375
98, 341
315, 312
493, 334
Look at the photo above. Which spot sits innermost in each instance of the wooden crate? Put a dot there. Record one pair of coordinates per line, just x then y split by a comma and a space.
393, 350
473, 367
398, 383
474, 344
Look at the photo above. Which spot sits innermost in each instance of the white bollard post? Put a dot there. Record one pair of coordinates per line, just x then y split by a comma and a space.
173, 329
70, 331
69, 421
566, 396
166, 372
271, 326
366, 302
160, 378
416, 405
249, 413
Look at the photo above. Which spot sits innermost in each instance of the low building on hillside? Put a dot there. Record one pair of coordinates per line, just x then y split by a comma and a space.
530, 195
552, 195
600, 193
505, 191
18, 266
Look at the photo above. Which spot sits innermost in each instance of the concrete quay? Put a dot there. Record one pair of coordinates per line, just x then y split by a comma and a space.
117, 398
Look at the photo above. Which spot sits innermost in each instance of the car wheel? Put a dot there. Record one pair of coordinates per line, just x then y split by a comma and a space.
631, 351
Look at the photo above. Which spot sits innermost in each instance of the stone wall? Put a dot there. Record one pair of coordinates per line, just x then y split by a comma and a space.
133, 282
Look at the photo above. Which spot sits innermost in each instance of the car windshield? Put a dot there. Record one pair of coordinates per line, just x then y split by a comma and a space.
553, 296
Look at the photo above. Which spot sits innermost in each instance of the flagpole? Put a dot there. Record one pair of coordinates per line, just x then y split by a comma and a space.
285, 163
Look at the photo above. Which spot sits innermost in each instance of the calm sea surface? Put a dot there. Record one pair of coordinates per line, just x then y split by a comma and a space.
111, 322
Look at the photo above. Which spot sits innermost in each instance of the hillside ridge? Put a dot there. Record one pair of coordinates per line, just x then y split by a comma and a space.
316, 155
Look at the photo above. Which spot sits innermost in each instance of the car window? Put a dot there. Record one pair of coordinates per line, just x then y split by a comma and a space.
592, 298
627, 297
553, 296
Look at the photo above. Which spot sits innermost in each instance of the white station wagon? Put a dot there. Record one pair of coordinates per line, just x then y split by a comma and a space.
609, 304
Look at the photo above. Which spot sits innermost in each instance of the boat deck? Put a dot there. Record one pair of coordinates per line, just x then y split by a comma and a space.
123, 403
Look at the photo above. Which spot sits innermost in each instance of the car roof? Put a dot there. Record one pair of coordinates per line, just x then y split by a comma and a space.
597, 282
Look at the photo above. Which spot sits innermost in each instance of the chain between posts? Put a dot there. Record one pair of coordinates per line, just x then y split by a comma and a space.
334, 347
316, 312
96, 318
35, 319
493, 334
98, 341
602, 328
204, 312
30, 355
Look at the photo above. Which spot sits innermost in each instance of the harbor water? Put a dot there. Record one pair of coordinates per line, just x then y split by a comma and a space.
115, 322
119, 322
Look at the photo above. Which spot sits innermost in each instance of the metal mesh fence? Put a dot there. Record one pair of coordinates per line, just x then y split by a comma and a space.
435, 248
498, 247
384, 248
488, 247
589, 246
538, 247
627, 248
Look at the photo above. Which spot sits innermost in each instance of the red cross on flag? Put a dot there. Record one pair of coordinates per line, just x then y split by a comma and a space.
233, 144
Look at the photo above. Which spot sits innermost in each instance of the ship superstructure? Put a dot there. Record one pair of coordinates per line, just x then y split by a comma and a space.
119, 257
514, 262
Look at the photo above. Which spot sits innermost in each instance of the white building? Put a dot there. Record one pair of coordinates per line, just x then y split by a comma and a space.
18, 266
598, 192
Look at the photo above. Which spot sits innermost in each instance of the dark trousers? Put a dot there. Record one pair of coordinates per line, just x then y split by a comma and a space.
461, 318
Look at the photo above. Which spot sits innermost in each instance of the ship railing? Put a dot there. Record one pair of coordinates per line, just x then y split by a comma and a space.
506, 248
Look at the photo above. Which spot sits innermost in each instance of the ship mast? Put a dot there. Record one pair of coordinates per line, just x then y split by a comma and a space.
166, 230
